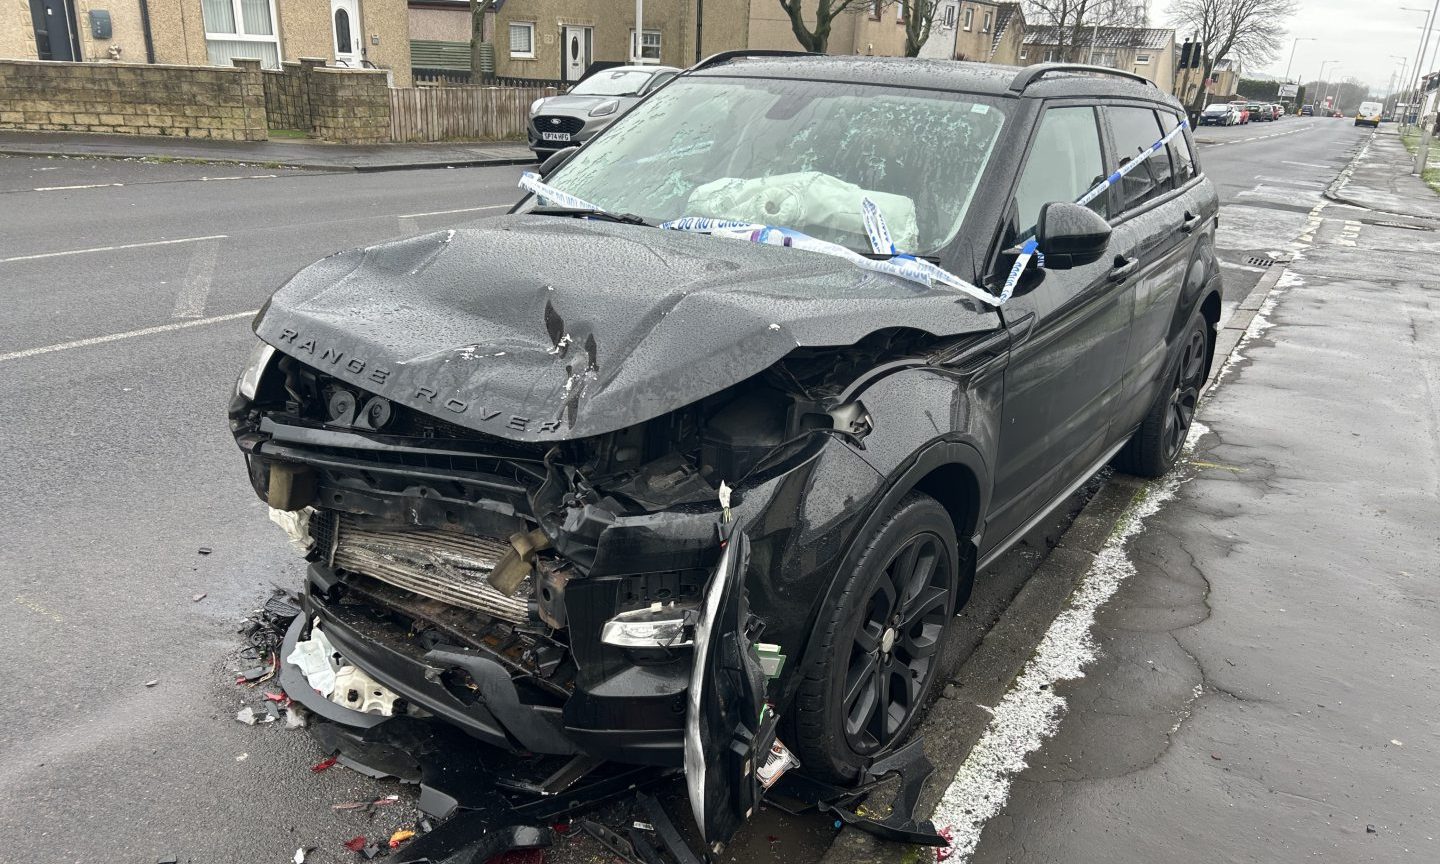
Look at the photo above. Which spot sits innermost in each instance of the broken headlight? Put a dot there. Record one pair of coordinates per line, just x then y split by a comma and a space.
249, 383
659, 625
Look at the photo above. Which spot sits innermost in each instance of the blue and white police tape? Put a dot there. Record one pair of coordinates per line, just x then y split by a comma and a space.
530, 182
1031, 249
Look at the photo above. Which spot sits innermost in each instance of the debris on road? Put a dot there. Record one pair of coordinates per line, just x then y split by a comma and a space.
324, 764
152, 682
198, 597
205, 550
400, 837
355, 844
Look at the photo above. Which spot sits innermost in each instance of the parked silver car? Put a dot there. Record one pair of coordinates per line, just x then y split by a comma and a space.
557, 122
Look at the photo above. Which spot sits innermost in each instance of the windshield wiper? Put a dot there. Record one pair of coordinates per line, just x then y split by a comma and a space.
590, 213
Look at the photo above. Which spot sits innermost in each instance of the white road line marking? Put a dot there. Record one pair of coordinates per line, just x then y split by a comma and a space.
448, 212
112, 248
129, 334
1304, 164
199, 277
241, 177
78, 186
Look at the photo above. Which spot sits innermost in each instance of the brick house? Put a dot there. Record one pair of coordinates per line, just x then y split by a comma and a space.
351, 33
1146, 51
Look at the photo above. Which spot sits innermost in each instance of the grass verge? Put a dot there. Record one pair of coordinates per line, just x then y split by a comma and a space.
1431, 176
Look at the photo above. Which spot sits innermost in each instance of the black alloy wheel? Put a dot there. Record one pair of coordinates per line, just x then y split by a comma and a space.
1184, 396
892, 655
1155, 447
875, 651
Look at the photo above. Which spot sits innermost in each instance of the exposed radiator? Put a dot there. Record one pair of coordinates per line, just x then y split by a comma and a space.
443, 565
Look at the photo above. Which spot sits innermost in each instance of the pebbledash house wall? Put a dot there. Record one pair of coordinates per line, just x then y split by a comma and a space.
138, 99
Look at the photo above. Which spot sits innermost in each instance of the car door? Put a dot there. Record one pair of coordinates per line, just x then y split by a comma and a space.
1161, 208
1069, 332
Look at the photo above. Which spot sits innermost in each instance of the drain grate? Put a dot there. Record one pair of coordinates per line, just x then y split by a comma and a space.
1255, 261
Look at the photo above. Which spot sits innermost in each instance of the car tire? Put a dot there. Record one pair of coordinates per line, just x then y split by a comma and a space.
1155, 447
837, 722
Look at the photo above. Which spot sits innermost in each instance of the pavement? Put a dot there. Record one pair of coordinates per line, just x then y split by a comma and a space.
128, 289
286, 152
1384, 184
1239, 661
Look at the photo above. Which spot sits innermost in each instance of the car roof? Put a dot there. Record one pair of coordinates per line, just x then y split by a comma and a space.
958, 76
638, 69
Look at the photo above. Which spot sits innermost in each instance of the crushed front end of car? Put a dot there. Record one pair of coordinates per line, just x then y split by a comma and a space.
571, 520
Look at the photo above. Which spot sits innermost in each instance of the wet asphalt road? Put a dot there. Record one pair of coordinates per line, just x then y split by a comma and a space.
119, 469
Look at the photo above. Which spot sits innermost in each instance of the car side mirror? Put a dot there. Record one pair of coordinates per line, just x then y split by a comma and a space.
553, 162
1071, 235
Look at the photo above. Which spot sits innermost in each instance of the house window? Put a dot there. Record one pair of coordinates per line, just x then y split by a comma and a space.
985, 24
1142, 59
1024, 53
900, 10
949, 22
874, 10
240, 28
1052, 55
649, 45
522, 40
969, 18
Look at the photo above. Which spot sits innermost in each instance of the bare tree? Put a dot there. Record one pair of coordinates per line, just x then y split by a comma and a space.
1072, 18
478, 9
919, 18
1247, 29
823, 13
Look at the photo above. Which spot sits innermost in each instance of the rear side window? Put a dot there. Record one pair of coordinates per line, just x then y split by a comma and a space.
1180, 155
1134, 131
1064, 163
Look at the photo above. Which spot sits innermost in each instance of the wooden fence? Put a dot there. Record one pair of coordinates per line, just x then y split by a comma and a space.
462, 113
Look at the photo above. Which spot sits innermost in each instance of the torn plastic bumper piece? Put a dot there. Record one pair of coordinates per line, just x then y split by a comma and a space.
728, 727
499, 718
473, 841
914, 768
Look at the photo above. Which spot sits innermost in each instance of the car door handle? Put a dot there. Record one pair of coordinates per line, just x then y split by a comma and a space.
1124, 268
1189, 223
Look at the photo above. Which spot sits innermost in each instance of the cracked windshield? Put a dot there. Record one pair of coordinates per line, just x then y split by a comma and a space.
795, 154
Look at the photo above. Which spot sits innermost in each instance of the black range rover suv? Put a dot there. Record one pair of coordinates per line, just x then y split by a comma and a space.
601, 477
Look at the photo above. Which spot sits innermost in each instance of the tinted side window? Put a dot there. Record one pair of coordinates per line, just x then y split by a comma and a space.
1064, 163
1180, 155
1134, 132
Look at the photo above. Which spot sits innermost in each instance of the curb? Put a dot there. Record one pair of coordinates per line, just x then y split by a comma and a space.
958, 714
331, 167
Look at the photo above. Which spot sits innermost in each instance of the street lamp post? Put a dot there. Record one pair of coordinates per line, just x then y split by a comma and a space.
1419, 52
1400, 82
1320, 79
1293, 45
1422, 153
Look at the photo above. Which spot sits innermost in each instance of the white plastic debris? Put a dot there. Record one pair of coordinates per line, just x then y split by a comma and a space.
317, 658
359, 692
725, 491
296, 525
247, 716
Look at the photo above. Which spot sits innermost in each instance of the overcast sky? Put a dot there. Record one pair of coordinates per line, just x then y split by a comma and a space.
1360, 34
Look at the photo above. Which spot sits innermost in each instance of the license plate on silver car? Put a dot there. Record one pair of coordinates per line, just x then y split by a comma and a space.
554, 136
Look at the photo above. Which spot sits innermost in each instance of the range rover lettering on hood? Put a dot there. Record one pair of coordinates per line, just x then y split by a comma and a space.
515, 328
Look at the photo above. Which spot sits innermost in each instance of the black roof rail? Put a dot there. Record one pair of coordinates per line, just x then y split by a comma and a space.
1030, 74
726, 56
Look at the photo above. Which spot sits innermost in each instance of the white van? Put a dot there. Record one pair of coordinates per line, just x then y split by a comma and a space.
1368, 114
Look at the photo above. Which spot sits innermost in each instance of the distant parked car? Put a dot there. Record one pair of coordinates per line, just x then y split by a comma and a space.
1307, 111
557, 122
1259, 113
1243, 109
1219, 114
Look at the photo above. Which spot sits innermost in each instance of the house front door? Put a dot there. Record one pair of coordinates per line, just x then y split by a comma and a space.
54, 39
345, 25
577, 52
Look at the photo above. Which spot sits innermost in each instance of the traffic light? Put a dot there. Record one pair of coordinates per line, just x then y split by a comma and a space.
1185, 51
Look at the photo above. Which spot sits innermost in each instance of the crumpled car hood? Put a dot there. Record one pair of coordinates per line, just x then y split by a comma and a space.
539, 328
